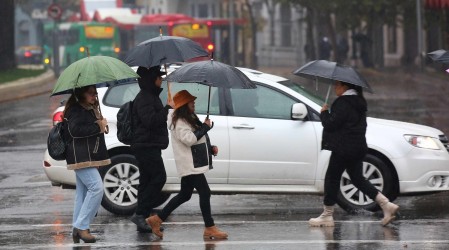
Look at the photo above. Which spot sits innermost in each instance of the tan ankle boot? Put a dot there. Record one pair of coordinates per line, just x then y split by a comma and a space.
85, 235
214, 233
389, 209
155, 224
325, 219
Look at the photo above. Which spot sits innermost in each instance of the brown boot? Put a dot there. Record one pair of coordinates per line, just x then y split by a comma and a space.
155, 224
85, 235
388, 208
214, 233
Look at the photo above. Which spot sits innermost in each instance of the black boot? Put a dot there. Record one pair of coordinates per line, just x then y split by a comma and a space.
142, 226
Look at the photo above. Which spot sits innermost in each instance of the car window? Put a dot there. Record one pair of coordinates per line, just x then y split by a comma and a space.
261, 102
301, 90
118, 95
200, 91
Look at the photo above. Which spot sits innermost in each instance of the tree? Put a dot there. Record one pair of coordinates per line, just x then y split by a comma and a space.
271, 7
7, 30
254, 63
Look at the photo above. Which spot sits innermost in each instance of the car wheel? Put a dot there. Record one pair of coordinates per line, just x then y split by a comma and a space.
351, 199
121, 181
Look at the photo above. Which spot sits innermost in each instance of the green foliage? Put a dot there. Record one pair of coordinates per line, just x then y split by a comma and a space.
15, 74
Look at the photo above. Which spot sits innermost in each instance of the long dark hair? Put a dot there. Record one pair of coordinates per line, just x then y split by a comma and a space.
77, 96
183, 112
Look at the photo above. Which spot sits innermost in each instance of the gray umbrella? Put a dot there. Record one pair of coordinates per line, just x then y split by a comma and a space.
212, 74
440, 55
164, 49
329, 72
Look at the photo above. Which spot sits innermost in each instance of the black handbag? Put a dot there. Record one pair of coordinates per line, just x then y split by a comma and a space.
56, 144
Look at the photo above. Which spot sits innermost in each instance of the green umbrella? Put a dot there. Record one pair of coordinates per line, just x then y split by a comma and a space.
101, 71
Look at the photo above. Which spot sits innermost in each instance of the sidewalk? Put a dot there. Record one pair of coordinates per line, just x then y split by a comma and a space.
26, 87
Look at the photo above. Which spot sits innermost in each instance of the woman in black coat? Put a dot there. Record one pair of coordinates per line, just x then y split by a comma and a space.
86, 151
344, 129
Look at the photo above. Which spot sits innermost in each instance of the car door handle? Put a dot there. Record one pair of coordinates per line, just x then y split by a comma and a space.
243, 126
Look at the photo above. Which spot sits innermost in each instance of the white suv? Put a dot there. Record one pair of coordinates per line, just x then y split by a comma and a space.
269, 142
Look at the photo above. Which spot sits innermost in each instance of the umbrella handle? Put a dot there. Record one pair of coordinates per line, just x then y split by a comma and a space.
208, 103
168, 84
328, 92
106, 130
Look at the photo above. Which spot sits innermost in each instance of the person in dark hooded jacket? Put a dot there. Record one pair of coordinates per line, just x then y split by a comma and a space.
344, 128
150, 138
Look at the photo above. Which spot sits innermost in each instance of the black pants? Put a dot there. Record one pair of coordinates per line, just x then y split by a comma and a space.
354, 167
188, 183
152, 178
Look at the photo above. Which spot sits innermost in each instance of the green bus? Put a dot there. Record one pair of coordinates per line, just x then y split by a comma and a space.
77, 39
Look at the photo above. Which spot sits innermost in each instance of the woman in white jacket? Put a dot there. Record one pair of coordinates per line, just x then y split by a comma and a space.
193, 156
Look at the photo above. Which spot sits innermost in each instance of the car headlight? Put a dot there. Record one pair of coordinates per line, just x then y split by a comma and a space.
422, 141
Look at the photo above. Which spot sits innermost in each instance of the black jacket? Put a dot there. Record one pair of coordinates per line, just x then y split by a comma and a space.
344, 127
85, 142
149, 118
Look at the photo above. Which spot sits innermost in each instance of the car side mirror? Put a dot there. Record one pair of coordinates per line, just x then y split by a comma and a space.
299, 111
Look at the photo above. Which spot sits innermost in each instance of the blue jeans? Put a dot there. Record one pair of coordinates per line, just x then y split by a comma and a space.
89, 192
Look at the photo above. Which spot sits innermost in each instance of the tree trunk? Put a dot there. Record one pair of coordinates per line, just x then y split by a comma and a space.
7, 30
254, 63
271, 8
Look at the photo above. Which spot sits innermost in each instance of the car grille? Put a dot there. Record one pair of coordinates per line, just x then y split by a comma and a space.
445, 141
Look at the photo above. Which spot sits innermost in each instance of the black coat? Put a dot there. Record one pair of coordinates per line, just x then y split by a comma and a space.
344, 127
85, 142
149, 118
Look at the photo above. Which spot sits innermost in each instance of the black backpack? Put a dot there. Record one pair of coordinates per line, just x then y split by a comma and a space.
56, 143
125, 133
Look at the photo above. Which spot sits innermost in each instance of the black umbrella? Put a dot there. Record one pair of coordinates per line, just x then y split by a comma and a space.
441, 56
164, 49
329, 72
212, 74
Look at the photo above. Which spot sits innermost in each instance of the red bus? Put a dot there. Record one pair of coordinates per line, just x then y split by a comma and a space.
175, 25
136, 28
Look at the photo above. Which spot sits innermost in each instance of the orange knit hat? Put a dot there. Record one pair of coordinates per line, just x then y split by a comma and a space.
182, 98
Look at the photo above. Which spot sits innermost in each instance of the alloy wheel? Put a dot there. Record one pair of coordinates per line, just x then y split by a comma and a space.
352, 194
120, 184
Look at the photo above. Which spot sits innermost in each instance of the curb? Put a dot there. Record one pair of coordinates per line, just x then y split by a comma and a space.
27, 87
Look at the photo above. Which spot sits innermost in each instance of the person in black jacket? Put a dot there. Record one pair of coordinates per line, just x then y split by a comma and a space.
86, 151
150, 138
344, 128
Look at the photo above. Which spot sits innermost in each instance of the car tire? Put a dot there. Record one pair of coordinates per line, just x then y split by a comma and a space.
121, 181
352, 200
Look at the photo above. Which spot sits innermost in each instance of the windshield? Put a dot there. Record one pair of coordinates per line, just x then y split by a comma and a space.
301, 90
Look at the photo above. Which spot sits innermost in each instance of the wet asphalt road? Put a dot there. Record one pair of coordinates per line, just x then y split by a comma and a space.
34, 215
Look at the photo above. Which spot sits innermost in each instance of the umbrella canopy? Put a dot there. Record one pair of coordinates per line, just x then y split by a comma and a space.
328, 72
440, 55
164, 49
211, 73
101, 71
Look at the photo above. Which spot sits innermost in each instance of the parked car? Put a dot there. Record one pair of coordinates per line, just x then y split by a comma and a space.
269, 140
29, 55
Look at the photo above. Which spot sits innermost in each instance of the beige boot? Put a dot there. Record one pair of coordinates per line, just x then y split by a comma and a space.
214, 233
155, 224
389, 209
325, 219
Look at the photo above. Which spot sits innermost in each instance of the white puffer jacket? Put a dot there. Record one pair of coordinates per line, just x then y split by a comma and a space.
192, 156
